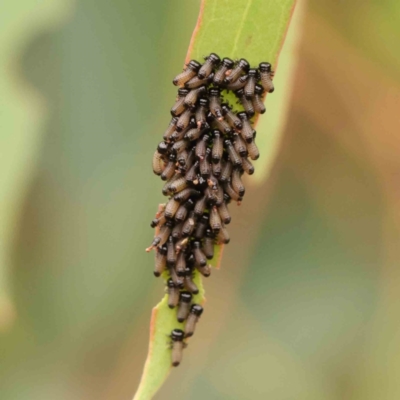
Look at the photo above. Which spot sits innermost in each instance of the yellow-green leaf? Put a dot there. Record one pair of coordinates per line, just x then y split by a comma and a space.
254, 30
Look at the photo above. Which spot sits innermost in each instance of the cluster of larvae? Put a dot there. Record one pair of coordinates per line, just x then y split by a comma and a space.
206, 149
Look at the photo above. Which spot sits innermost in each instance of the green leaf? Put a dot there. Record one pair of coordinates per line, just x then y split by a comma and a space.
254, 30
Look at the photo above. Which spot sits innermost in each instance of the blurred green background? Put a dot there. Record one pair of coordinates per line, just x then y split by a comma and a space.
307, 302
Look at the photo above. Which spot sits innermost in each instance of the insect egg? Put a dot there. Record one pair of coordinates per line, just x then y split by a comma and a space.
257, 100
189, 72
219, 76
211, 61
265, 74
241, 67
177, 336
195, 312
173, 293
185, 299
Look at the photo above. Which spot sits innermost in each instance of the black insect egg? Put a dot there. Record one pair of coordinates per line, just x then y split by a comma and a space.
206, 149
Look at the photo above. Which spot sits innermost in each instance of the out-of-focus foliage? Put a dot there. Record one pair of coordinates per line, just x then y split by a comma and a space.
307, 301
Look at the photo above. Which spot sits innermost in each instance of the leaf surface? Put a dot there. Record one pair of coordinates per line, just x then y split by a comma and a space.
254, 30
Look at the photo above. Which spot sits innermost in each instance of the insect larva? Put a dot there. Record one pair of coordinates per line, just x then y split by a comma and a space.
193, 134
160, 261
171, 255
235, 158
181, 245
211, 61
211, 196
241, 67
237, 183
177, 345
239, 84
158, 163
179, 106
188, 73
195, 312
180, 267
181, 158
171, 208
247, 166
250, 84
252, 148
219, 76
217, 168
201, 146
200, 206
214, 96
180, 146
224, 213
221, 125
212, 182
247, 130
185, 194
166, 189
205, 165
205, 271
239, 145
208, 244
189, 225
161, 220
192, 96
183, 210
162, 147
218, 146
199, 256
183, 120
246, 103
215, 219
192, 172
226, 172
185, 299
177, 231
171, 128
162, 236
257, 100
179, 135
223, 236
188, 282
219, 196
196, 82
201, 227
169, 169
231, 117
231, 193
173, 293
265, 74
201, 112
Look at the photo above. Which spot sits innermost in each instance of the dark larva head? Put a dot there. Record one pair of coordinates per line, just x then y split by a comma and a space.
177, 335
171, 284
185, 297
162, 147
228, 63
214, 58
258, 89
265, 67
196, 309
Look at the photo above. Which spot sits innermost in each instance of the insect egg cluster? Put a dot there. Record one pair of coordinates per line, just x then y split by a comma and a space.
207, 147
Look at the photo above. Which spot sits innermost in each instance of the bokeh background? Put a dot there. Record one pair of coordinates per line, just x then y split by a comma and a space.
307, 302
